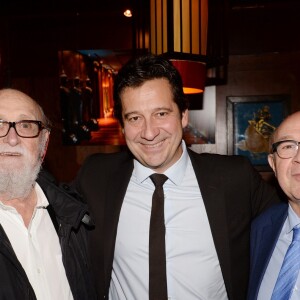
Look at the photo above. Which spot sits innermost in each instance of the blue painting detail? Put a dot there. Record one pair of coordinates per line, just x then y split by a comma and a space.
254, 122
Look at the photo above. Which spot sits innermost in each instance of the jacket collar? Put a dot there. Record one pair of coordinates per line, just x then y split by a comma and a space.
264, 239
66, 207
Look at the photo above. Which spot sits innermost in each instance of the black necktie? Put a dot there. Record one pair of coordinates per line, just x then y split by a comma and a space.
157, 252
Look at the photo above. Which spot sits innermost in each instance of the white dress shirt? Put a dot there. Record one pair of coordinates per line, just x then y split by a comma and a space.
38, 250
193, 269
273, 269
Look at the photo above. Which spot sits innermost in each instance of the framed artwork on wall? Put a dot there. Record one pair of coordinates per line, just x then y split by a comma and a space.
251, 120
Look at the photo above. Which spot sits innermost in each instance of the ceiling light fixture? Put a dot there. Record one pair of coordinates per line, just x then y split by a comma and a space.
128, 13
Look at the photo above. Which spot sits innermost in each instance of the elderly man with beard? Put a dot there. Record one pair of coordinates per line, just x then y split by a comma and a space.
43, 230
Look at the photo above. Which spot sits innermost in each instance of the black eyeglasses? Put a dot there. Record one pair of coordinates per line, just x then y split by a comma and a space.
286, 149
24, 128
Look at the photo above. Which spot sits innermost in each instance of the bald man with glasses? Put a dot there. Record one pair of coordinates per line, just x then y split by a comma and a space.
275, 235
43, 230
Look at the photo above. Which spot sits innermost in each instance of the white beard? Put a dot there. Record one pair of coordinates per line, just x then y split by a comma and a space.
18, 182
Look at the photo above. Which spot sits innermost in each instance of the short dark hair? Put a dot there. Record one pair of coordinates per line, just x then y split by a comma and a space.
144, 68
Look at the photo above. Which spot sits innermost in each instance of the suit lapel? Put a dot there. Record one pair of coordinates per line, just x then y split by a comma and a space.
214, 202
264, 242
117, 186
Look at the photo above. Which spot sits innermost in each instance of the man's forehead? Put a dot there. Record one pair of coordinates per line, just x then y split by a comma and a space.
15, 97
18, 103
288, 128
13, 94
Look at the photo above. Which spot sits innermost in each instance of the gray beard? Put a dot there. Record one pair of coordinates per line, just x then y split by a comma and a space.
17, 184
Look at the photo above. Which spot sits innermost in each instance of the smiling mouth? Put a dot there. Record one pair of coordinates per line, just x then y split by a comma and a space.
153, 145
9, 154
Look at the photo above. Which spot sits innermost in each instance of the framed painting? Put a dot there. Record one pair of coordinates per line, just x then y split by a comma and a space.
251, 120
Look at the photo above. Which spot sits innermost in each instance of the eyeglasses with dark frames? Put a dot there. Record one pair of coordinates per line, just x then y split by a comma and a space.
286, 149
23, 128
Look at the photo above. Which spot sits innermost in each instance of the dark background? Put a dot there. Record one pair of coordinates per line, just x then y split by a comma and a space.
263, 45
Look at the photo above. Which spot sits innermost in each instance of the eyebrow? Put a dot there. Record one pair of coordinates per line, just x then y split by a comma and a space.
285, 137
130, 113
155, 110
21, 117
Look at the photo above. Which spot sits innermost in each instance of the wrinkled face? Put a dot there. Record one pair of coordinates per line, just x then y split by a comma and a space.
19, 157
287, 170
153, 125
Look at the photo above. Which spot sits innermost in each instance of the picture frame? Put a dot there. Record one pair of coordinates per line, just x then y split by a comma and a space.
250, 122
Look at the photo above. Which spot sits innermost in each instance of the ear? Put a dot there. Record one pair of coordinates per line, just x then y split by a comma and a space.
271, 160
185, 118
43, 151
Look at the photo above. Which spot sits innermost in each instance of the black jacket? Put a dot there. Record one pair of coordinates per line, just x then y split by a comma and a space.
70, 218
233, 193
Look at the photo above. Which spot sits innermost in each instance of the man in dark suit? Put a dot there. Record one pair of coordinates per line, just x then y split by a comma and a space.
272, 232
210, 200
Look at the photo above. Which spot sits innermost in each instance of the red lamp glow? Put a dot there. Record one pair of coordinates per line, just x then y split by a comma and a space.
193, 75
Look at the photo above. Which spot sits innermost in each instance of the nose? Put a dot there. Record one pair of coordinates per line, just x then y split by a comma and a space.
297, 156
11, 138
149, 130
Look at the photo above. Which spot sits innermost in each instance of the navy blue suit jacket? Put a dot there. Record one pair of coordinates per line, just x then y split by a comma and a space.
265, 231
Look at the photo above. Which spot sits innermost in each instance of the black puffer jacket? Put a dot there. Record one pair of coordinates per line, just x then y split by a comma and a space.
70, 218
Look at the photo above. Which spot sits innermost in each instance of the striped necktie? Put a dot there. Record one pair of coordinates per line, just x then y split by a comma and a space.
289, 270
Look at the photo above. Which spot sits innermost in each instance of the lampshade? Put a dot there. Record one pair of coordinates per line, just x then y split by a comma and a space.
193, 75
178, 29
190, 33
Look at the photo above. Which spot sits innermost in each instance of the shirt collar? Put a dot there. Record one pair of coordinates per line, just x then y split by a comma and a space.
42, 201
175, 173
293, 219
